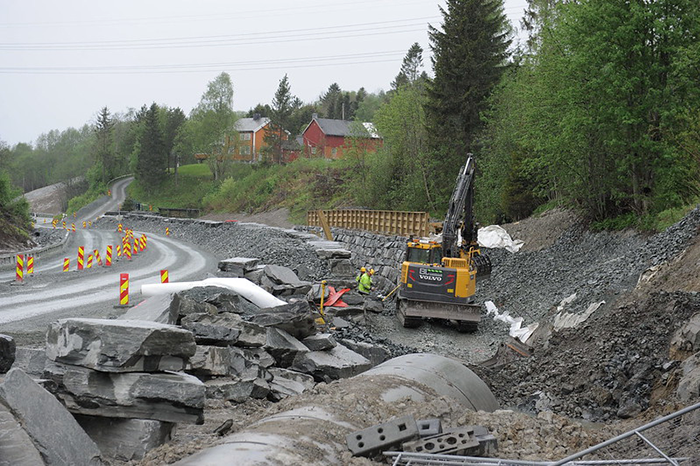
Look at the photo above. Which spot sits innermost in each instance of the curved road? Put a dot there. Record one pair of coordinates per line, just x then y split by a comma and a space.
51, 294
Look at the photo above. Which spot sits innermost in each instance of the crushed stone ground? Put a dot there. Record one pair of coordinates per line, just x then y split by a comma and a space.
613, 370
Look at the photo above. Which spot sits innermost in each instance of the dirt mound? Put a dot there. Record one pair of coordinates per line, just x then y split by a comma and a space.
541, 231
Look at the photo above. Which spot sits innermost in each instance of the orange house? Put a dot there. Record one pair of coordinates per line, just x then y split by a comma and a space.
251, 138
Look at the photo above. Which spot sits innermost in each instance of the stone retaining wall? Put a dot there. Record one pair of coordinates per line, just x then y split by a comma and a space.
383, 253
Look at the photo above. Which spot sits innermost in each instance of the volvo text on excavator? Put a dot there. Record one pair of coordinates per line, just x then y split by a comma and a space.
438, 278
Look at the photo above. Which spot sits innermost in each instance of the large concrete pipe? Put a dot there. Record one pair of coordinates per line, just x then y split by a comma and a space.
314, 434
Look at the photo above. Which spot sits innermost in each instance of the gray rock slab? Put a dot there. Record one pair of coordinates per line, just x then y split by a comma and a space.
372, 305
7, 352
294, 318
220, 329
353, 298
16, 447
154, 309
252, 335
342, 268
239, 265
31, 361
337, 253
183, 305
119, 345
167, 397
320, 342
125, 439
289, 383
281, 275
237, 390
259, 356
337, 363
687, 338
33, 406
215, 361
376, 354
283, 347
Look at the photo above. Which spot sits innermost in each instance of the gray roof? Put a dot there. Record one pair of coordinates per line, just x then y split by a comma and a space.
250, 124
345, 128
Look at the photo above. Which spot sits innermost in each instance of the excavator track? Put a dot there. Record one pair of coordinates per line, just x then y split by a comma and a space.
464, 317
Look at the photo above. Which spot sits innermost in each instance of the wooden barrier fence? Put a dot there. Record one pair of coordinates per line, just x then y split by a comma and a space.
387, 222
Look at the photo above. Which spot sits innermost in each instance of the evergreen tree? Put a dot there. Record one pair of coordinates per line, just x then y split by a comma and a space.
174, 119
410, 68
151, 161
283, 105
104, 146
470, 53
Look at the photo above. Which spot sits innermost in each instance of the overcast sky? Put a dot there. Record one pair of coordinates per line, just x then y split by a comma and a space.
62, 61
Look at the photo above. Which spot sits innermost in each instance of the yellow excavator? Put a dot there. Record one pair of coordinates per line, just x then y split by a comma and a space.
438, 277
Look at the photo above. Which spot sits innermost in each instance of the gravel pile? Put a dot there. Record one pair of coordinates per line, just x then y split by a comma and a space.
596, 266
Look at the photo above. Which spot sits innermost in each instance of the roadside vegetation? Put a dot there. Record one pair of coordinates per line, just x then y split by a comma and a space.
597, 112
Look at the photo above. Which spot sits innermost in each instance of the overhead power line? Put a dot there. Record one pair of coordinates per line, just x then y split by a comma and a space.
321, 33
249, 65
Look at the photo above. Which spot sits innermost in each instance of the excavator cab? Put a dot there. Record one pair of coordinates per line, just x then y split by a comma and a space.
423, 251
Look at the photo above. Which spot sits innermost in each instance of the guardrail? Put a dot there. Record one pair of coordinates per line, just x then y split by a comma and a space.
179, 213
10, 259
386, 222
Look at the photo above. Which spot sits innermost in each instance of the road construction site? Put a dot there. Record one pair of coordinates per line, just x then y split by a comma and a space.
611, 321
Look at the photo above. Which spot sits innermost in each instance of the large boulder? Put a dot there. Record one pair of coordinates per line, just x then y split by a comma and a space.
220, 329
119, 345
216, 361
168, 397
54, 431
283, 347
126, 439
294, 318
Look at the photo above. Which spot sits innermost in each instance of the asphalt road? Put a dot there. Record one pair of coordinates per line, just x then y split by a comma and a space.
27, 309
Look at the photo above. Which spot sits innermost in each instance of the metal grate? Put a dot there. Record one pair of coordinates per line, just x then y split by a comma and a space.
671, 440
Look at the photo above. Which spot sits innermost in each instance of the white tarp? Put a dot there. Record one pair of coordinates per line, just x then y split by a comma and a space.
516, 323
494, 236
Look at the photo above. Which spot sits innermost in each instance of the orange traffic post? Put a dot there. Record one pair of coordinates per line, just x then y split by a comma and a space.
73, 227
143, 242
119, 228
98, 259
119, 250
84, 224
20, 267
164, 276
30, 265
124, 289
127, 250
108, 259
167, 231
89, 262
64, 224
136, 247
81, 256
66, 264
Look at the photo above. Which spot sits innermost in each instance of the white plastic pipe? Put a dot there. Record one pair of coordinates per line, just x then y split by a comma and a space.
242, 286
